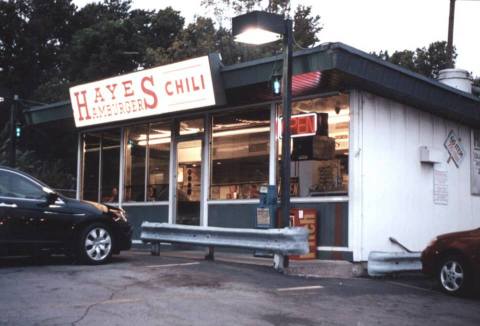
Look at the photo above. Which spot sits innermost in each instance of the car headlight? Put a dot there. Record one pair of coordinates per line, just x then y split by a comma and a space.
119, 215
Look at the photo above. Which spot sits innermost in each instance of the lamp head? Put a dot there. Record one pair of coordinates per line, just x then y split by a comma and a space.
258, 27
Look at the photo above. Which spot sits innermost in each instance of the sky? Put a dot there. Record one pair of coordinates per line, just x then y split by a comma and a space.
374, 25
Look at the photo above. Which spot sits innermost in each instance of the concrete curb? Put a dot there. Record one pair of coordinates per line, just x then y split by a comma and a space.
300, 268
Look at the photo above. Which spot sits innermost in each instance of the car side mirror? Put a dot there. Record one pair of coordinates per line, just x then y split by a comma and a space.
51, 198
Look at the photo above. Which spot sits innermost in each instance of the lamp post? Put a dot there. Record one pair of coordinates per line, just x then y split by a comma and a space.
13, 124
258, 27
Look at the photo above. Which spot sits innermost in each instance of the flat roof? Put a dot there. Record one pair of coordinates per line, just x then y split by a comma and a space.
343, 68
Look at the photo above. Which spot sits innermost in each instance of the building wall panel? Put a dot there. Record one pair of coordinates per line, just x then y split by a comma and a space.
396, 192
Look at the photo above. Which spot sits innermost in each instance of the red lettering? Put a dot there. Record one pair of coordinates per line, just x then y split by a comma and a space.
127, 86
188, 85
98, 95
195, 87
179, 85
81, 105
203, 82
111, 88
293, 126
167, 88
302, 125
149, 92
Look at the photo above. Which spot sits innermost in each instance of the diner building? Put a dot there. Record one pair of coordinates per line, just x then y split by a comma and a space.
377, 151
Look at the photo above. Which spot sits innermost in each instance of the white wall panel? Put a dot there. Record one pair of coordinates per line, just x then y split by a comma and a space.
392, 193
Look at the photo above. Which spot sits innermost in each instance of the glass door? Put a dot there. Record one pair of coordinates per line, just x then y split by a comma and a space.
188, 183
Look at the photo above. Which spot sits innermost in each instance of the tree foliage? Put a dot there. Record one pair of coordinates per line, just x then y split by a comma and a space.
427, 61
47, 46
51, 171
476, 82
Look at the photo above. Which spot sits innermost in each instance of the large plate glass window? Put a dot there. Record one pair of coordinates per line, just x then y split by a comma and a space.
239, 153
135, 163
101, 166
110, 165
320, 139
147, 157
91, 172
158, 161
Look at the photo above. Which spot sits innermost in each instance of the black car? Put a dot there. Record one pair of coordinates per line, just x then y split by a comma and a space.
35, 219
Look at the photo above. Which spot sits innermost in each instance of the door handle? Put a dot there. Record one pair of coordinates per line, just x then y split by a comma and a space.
8, 205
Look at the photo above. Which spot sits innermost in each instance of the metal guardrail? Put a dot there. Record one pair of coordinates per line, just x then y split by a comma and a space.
281, 242
384, 263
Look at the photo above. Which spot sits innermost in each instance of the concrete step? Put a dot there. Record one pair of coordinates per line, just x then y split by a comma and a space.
321, 268
303, 268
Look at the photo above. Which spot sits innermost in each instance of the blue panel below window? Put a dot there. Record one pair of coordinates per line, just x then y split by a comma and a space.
232, 215
138, 214
332, 219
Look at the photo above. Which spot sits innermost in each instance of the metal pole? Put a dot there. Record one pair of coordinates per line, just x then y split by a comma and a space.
13, 122
451, 20
287, 111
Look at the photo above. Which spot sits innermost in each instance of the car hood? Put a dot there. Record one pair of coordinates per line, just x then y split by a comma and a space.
101, 207
86, 205
463, 234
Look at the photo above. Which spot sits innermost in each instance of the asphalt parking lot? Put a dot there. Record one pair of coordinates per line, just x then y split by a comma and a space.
139, 289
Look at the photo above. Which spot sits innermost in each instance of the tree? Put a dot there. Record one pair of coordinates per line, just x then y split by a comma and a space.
426, 61
54, 172
476, 82
306, 26
33, 35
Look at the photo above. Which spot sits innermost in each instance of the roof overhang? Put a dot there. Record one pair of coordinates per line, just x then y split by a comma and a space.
341, 68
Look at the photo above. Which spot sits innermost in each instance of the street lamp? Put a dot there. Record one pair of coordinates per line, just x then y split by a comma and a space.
258, 27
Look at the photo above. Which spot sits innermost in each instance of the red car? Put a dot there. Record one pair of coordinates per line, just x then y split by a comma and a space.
454, 260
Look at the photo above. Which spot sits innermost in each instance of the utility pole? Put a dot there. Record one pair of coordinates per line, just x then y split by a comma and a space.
13, 124
451, 20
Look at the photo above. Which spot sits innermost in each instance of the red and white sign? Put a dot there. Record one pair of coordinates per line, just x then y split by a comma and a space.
176, 87
301, 125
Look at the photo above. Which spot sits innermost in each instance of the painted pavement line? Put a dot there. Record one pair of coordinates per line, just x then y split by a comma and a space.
172, 265
411, 286
300, 288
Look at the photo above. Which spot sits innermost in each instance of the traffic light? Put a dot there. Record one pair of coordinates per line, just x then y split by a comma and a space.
18, 130
276, 83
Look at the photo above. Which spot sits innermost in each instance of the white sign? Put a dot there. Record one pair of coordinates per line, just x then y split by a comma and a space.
176, 87
440, 187
475, 162
454, 148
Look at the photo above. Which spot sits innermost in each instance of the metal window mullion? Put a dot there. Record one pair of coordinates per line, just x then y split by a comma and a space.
147, 164
172, 175
205, 178
272, 166
121, 180
80, 167
100, 162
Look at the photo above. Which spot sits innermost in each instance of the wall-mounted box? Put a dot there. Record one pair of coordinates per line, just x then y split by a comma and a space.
431, 155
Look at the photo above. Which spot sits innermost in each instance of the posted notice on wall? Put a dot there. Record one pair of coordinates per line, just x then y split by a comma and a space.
440, 186
475, 162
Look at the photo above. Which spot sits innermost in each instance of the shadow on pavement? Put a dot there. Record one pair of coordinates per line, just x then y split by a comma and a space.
54, 260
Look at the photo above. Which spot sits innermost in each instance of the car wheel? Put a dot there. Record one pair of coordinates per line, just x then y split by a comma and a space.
95, 244
454, 275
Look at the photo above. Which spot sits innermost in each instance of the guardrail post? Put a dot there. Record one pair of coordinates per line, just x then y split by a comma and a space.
211, 253
280, 262
155, 250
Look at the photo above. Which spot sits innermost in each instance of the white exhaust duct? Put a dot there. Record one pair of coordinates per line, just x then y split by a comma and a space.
456, 78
